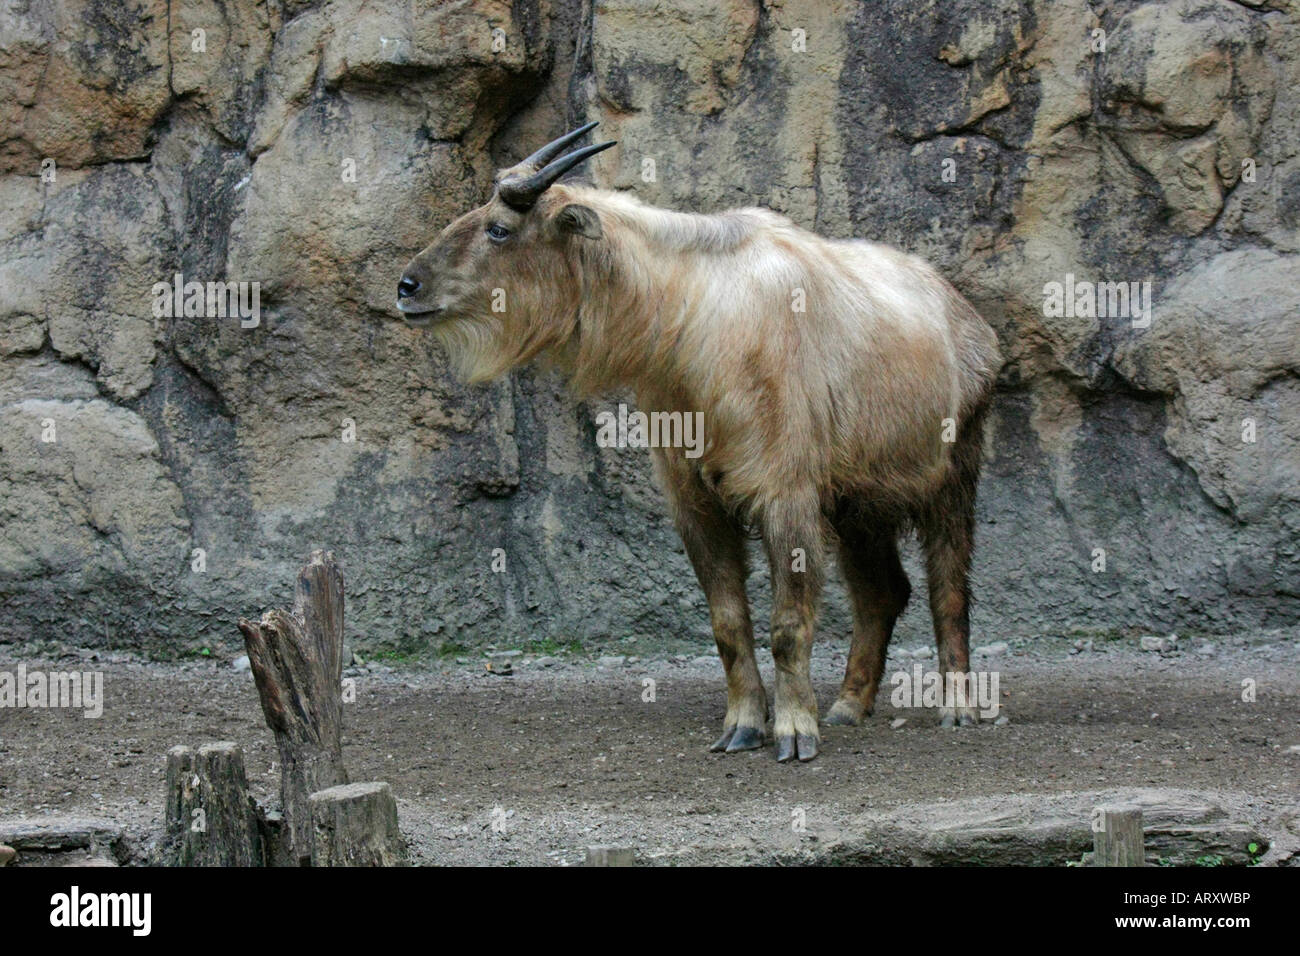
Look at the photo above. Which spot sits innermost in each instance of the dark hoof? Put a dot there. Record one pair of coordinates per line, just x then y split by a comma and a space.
966, 718
737, 739
803, 746
807, 747
843, 715
745, 738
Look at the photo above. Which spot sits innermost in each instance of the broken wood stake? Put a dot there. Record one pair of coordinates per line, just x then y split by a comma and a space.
611, 856
210, 818
355, 824
297, 663
1117, 837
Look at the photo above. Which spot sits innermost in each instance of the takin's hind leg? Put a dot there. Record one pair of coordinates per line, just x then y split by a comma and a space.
715, 544
948, 538
793, 536
878, 589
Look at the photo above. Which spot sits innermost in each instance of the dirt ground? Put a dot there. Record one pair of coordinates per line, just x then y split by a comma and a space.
566, 754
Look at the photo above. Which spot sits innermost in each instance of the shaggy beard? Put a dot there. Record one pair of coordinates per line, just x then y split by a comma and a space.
474, 349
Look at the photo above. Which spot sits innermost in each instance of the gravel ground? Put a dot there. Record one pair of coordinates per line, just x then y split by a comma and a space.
564, 753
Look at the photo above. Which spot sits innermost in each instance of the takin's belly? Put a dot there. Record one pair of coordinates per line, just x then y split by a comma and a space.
898, 474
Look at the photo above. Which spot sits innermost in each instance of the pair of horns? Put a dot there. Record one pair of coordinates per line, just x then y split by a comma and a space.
521, 192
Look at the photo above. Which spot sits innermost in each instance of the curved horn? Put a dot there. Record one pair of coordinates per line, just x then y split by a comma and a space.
557, 146
521, 193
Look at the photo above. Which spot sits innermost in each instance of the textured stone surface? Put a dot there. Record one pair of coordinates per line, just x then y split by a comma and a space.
80, 82
93, 514
1181, 828
312, 147
64, 841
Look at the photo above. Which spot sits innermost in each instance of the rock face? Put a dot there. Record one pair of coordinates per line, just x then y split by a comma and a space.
164, 474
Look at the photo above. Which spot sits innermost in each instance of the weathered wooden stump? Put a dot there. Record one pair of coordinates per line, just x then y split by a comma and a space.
1117, 840
210, 818
610, 856
297, 663
355, 824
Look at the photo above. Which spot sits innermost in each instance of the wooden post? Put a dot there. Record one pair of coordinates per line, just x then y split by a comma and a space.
1117, 837
611, 856
356, 825
297, 663
210, 818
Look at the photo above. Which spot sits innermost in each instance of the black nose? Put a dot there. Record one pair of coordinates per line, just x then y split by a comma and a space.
407, 287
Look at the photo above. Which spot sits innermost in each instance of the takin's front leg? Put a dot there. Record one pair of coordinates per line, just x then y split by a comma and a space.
792, 533
742, 728
715, 544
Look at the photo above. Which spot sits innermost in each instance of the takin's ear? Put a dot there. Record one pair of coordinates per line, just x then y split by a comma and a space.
579, 220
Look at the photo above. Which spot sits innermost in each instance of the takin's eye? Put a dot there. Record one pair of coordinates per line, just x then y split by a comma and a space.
497, 232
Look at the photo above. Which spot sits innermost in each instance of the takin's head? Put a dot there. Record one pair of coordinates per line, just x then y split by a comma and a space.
501, 283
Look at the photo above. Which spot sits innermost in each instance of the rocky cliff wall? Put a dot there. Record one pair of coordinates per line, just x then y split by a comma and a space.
163, 475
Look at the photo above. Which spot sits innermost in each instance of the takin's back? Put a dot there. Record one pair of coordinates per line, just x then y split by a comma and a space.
843, 363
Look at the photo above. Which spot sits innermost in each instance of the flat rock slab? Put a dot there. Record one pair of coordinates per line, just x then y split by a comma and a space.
65, 841
1182, 828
